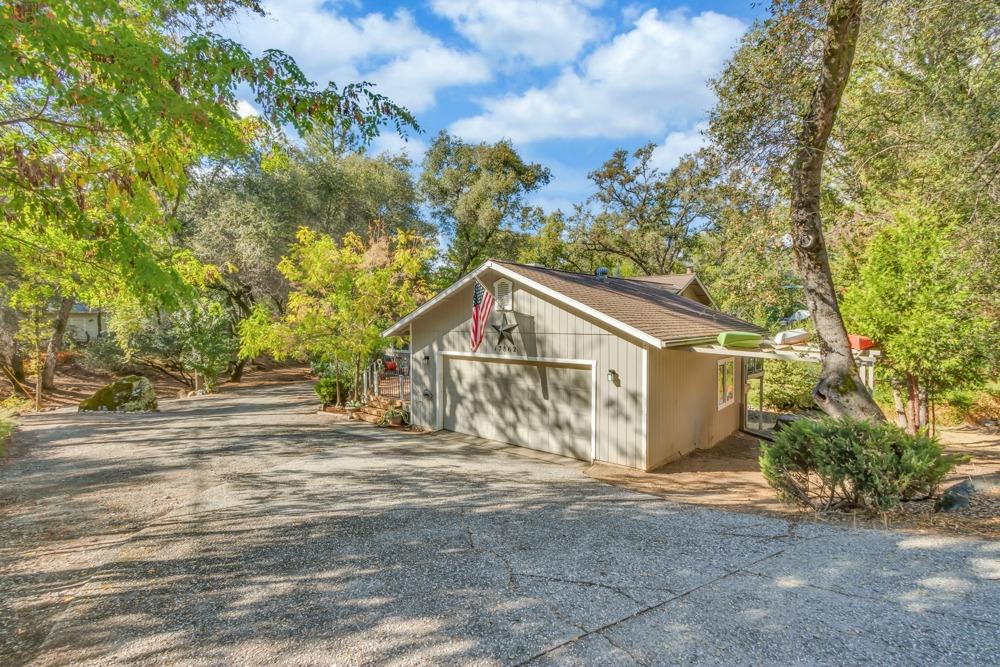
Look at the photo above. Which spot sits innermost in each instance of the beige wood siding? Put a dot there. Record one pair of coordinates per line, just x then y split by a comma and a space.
683, 410
544, 329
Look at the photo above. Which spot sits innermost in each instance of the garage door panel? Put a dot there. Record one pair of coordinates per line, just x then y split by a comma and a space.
544, 407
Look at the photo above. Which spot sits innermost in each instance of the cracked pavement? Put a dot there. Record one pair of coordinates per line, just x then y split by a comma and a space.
245, 528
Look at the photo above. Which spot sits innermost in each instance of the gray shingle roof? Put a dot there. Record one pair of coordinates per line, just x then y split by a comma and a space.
641, 304
675, 282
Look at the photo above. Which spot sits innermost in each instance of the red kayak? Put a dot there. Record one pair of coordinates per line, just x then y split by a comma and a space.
860, 342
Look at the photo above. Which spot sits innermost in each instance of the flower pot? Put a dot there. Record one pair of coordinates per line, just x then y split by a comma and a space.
395, 421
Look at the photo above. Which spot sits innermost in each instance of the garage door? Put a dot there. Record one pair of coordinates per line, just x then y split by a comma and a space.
544, 407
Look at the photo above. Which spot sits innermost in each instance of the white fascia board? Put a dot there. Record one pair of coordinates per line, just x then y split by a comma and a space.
576, 305
796, 353
692, 341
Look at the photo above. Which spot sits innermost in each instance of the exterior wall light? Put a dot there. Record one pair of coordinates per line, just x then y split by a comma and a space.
613, 377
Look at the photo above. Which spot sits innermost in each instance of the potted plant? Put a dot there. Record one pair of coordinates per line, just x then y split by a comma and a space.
352, 408
397, 416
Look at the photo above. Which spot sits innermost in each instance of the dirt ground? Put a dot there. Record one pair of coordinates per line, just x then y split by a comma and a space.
75, 383
728, 477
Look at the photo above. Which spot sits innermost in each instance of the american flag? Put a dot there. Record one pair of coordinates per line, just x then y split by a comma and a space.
482, 304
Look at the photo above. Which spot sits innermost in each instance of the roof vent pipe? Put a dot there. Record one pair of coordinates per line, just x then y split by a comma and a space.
601, 274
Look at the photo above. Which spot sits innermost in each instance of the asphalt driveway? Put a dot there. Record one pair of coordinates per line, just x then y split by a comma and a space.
247, 529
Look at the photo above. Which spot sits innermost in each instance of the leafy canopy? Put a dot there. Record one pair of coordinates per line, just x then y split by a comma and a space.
343, 295
106, 106
914, 298
642, 216
477, 192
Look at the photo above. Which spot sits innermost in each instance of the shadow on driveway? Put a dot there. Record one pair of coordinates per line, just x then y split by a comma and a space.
246, 528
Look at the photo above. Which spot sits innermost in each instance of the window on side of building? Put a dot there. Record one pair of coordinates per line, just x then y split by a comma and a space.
726, 383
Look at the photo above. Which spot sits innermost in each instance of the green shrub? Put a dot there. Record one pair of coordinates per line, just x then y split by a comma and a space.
851, 464
788, 385
14, 405
104, 354
326, 389
971, 406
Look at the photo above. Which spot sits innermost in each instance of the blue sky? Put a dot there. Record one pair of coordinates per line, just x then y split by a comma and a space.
568, 81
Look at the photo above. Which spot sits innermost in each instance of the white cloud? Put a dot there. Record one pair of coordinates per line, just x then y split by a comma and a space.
413, 79
642, 82
540, 31
678, 144
409, 65
245, 110
390, 142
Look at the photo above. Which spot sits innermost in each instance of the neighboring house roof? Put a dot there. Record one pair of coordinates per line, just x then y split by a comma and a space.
642, 309
675, 282
678, 283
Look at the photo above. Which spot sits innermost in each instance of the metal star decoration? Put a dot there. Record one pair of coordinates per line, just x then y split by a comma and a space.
505, 329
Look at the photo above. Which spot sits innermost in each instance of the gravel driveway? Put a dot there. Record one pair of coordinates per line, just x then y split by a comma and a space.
246, 528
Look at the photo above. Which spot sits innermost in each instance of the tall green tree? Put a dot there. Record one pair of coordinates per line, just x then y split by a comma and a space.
931, 71
916, 298
742, 253
106, 108
477, 194
915, 115
781, 115
839, 391
243, 215
640, 215
344, 294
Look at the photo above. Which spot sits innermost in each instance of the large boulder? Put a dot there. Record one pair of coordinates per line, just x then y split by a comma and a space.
133, 393
959, 496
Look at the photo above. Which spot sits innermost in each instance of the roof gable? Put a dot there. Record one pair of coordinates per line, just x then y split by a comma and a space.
641, 309
686, 284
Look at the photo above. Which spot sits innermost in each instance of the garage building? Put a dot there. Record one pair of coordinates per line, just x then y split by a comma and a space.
589, 366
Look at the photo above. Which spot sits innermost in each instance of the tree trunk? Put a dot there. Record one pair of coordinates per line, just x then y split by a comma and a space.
357, 377
897, 400
933, 415
56, 343
912, 392
922, 412
17, 367
16, 382
237, 374
839, 392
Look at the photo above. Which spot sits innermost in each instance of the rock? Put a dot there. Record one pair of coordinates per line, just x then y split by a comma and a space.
784, 421
958, 496
128, 394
